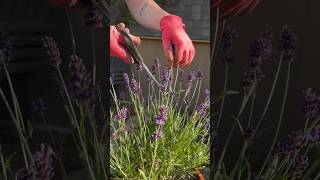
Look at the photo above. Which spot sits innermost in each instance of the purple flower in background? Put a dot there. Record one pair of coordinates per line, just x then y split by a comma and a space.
288, 42
162, 117
228, 37
191, 78
41, 168
202, 109
6, 46
134, 86
180, 74
158, 134
199, 75
249, 132
126, 78
310, 104
122, 114
80, 81
260, 49
93, 18
250, 76
38, 105
295, 142
300, 165
165, 75
52, 50
314, 135
139, 67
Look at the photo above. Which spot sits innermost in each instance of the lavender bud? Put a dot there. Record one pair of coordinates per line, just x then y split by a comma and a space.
41, 168
180, 74
248, 133
122, 114
191, 78
134, 86
288, 42
202, 109
139, 67
228, 37
93, 18
310, 104
158, 134
199, 75
126, 78
260, 49
314, 135
52, 50
300, 166
165, 75
162, 117
251, 74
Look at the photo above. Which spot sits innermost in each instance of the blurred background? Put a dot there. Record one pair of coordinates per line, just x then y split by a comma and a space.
301, 17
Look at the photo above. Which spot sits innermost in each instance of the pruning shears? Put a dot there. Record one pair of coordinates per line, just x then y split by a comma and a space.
133, 50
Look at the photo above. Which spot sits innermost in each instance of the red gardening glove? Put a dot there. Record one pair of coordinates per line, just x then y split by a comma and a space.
173, 32
117, 45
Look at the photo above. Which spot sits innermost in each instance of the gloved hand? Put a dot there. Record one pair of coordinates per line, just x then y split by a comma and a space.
173, 32
117, 45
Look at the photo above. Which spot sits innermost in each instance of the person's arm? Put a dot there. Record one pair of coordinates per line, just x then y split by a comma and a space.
147, 13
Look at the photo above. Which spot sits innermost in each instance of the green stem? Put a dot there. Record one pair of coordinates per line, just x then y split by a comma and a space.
224, 90
94, 70
3, 165
71, 31
280, 119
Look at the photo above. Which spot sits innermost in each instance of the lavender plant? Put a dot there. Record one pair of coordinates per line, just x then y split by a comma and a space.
286, 159
167, 139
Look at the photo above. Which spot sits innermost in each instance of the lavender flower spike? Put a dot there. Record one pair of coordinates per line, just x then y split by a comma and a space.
52, 50
6, 46
311, 104
162, 116
288, 42
94, 19
122, 115
134, 86
42, 168
158, 134
199, 75
260, 49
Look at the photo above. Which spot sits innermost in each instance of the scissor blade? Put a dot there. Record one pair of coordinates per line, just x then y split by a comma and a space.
145, 67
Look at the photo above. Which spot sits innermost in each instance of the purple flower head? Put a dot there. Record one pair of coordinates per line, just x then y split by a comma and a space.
260, 49
134, 86
202, 109
126, 78
162, 117
139, 67
165, 75
162, 87
41, 168
310, 104
300, 165
38, 105
52, 50
122, 96
294, 142
6, 47
93, 18
314, 135
250, 76
80, 80
249, 132
191, 78
122, 114
158, 134
288, 42
199, 74
228, 37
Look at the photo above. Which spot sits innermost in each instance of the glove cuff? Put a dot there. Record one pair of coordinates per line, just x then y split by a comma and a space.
171, 21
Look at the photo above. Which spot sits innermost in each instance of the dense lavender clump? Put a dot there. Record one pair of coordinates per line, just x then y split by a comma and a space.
52, 50
6, 46
80, 81
93, 18
288, 42
310, 104
41, 168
